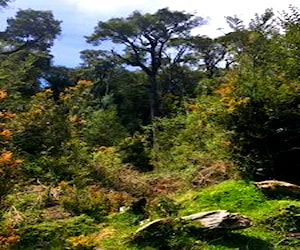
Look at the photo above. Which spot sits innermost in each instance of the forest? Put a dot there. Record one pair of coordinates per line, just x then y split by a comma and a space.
164, 123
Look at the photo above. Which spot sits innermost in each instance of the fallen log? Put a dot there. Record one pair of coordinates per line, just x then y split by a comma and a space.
278, 187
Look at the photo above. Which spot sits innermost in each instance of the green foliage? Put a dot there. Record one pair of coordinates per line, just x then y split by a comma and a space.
105, 164
163, 207
230, 195
58, 78
23, 31
193, 144
162, 24
260, 88
90, 201
286, 220
108, 168
103, 128
19, 79
71, 163
134, 151
42, 127
8, 172
50, 234
88, 145
132, 100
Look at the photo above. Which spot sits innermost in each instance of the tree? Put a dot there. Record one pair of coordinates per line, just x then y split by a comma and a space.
24, 44
100, 66
145, 39
30, 29
261, 96
250, 43
205, 53
58, 78
4, 3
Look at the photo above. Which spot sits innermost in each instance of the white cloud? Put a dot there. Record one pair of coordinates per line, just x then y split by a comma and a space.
108, 5
81, 16
215, 9
211, 7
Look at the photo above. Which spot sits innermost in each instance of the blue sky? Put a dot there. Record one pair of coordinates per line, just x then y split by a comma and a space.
81, 16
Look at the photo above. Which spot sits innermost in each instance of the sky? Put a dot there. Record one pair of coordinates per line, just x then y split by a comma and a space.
79, 17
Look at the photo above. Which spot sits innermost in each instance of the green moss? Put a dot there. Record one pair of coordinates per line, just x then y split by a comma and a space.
272, 219
235, 196
273, 222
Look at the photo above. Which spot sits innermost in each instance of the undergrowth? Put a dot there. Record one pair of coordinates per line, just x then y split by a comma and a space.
26, 224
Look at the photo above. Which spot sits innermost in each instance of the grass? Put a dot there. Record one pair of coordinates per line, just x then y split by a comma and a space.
235, 196
274, 222
267, 232
270, 220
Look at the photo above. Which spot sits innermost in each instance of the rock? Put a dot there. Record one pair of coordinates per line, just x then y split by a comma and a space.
151, 225
212, 221
123, 209
219, 219
155, 230
278, 187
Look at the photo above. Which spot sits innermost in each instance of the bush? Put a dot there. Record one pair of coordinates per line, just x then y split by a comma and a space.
103, 128
107, 167
50, 234
133, 150
90, 201
163, 206
42, 127
286, 220
71, 163
191, 144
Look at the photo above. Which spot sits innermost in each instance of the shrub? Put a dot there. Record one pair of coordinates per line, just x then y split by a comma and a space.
163, 206
54, 233
71, 163
107, 167
103, 128
286, 220
90, 201
134, 150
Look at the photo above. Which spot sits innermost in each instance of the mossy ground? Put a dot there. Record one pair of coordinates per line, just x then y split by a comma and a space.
276, 222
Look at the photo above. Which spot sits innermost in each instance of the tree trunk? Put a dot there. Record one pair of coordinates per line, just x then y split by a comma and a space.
153, 97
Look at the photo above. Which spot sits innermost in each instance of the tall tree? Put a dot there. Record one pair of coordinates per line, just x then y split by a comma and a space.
145, 39
100, 66
208, 53
4, 3
31, 30
261, 93
27, 40
58, 78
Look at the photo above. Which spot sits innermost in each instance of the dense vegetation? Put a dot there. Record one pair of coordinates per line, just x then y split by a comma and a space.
168, 124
